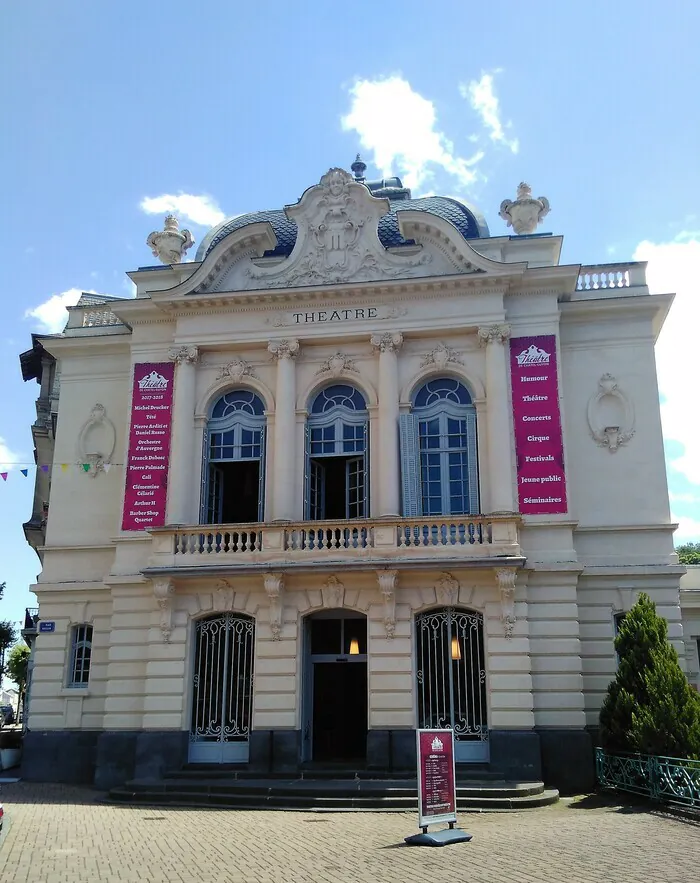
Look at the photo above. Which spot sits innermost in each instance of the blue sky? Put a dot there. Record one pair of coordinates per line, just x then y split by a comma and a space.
113, 113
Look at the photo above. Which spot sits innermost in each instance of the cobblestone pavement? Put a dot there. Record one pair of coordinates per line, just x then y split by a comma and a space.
57, 834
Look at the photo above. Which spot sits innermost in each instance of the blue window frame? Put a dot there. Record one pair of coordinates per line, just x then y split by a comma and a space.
439, 452
335, 481
233, 468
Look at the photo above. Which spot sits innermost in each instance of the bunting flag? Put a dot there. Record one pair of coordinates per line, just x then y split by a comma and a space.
86, 467
44, 467
3, 475
106, 466
64, 467
25, 472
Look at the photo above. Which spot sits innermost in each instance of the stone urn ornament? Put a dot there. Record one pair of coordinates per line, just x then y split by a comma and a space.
526, 212
170, 244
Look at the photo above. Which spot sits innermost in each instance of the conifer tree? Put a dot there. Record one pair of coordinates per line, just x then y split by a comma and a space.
650, 707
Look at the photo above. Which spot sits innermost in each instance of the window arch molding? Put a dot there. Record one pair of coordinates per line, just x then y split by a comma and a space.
233, 457
336, 452
307, 397
218, 389
473, 384
439, 451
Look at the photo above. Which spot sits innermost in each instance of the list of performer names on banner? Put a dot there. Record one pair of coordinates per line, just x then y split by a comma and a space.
149, 446
436, 770
539, 446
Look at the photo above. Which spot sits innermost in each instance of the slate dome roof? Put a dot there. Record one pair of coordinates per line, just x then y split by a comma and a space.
468, 220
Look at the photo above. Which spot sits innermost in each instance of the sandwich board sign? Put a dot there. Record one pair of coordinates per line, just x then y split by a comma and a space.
437, 793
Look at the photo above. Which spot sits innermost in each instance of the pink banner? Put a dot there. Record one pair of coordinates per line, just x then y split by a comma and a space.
149, 446
539, 448
436, 777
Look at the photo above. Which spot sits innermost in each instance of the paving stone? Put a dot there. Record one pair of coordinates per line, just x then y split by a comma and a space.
60, 834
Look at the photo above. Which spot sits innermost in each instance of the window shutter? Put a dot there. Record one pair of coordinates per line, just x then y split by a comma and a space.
410, 465
307, 472
204, 488
261, 474
472, 462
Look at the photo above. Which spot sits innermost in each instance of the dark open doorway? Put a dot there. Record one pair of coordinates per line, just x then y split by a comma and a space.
336, 685
234, 490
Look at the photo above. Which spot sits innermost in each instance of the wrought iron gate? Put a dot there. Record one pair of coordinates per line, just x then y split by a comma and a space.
451, 676
222, 689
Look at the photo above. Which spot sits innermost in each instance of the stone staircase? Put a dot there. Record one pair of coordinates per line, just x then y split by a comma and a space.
323, 790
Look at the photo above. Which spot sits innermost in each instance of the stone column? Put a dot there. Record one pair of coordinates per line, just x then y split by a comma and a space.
388, 346
181, 506
498, 421
285, 465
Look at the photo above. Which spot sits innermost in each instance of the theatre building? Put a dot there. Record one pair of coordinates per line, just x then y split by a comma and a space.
358, 468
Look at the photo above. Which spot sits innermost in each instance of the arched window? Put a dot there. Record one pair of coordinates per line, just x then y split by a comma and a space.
233, 473
336, 454
438, 451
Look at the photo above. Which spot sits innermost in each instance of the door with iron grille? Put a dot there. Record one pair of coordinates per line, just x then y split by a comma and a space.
451, 679
222, 689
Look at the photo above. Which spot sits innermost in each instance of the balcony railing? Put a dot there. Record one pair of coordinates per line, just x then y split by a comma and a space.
465, 537
31, 619
610, 276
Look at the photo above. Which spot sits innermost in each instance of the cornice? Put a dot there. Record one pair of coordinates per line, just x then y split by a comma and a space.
78, 345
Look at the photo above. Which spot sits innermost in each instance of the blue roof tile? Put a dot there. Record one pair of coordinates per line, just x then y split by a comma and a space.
467, 220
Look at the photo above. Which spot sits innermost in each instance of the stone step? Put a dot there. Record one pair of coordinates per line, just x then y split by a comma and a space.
320, 803
334, 788
235, 772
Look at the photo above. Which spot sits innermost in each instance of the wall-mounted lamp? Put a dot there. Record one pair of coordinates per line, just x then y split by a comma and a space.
456, 650
354, 647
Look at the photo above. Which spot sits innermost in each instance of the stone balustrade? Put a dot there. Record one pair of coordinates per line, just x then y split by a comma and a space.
609, 276
317, 542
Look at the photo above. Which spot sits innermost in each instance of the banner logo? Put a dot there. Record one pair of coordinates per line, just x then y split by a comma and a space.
436, 744
533, 355
153, 381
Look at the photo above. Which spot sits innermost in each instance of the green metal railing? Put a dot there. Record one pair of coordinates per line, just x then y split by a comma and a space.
668, 779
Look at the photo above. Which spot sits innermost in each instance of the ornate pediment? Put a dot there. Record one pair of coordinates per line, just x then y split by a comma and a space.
337, 241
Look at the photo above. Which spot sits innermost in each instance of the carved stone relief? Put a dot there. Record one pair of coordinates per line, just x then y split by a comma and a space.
389, 342
493, 334
333, 592
274, 588
505, 579
236, 370
387, 586
184, 355
337, 364
440, 356
96, 441
284, 349
610, 415
447, 590
164, 591
224, 594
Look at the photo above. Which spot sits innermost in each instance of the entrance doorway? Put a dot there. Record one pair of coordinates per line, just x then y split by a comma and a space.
335, 687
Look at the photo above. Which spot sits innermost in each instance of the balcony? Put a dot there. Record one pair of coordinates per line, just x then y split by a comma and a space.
611, 280
378, 541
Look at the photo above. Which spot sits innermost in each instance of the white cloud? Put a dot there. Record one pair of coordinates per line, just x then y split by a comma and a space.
674, 267
688, 529
52, 314
7, 457
398, 125
202, 210
482, 97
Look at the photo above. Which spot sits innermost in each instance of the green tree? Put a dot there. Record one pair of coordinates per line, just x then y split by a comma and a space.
8, 636
2, 590
17, 664
689, 553
650, 707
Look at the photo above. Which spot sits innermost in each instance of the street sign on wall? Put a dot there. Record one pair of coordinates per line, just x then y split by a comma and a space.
46, 626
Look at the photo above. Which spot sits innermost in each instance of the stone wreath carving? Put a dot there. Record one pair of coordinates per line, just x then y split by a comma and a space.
337, 364
610, 415
96, 441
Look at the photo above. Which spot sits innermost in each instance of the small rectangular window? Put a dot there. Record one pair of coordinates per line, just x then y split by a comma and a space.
81, 652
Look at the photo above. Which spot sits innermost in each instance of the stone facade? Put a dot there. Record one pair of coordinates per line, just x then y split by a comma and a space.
343, 309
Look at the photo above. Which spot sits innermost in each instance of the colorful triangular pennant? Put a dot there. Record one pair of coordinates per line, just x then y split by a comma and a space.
64, 467
106, 466
45, 467
4, 475
86, 467
25, 472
